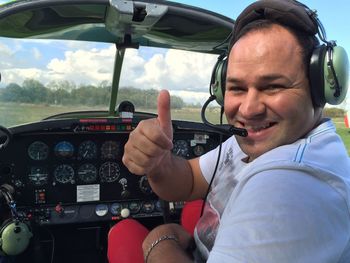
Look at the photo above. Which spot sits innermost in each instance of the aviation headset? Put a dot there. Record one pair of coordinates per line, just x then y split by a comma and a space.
329, 65
15, 234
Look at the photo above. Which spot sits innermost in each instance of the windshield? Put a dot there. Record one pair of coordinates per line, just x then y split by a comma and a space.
41, 78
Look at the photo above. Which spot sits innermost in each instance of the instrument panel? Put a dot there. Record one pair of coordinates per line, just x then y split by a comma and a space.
67, 160
71, 172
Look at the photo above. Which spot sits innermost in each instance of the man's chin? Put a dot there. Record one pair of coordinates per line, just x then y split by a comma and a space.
254, 150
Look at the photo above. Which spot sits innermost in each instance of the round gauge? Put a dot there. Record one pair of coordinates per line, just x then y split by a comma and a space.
110, 150
38, 175
109, 172
159, 206
64, 173
87, 173
64, 149
87, 150
144, 185
148, 207
38, 151
101, 210
115, 209
181, 148
198, 150
134, 207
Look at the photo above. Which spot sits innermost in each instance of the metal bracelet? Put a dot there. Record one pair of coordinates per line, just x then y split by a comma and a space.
156, 242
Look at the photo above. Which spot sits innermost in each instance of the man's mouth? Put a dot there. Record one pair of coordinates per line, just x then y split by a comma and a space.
260, 127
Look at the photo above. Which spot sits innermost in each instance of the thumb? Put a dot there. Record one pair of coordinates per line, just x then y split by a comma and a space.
164, 115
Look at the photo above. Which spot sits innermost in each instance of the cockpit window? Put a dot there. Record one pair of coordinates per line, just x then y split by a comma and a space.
41, 78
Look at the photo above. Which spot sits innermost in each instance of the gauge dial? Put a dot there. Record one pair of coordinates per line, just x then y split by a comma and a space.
181, 148
110, 150
134, 207
38, 175
115, 209
38, 151
198, 150
159, 206
64, 173
148, 207
87, 173
101, 210
64, 149
109, 172
87, 150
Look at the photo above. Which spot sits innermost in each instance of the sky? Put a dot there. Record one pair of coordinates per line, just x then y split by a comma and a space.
332, 13
147, 68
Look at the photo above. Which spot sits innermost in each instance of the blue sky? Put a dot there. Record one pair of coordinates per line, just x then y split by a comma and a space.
334, 14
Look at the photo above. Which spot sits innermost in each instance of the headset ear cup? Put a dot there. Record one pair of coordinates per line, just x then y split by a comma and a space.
336, 77
219, 80
323, 82
316, 76
14, 237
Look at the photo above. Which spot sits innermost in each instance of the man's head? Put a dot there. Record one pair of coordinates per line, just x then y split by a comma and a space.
277, 74
267, 89
327, 63
306, 41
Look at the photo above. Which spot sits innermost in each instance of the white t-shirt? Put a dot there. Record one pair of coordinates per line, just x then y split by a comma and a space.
291, 204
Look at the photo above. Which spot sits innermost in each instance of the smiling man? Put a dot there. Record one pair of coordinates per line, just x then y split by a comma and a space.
280, 194
267, 90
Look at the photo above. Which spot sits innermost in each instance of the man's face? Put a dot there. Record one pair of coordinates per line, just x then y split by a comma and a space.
267, 91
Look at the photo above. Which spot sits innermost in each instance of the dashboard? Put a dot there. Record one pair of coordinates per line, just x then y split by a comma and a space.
66, 171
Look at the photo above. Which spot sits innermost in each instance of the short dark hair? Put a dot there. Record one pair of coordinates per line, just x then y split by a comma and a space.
306, 41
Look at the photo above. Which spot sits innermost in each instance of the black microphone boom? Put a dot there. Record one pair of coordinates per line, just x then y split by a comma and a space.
225, 129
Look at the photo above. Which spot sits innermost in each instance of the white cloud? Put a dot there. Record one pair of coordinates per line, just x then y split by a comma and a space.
5, 49
19, 75
5, 55
83, 67
36, 53
178, 70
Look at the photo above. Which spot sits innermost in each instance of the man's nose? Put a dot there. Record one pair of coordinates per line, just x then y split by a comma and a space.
252, 104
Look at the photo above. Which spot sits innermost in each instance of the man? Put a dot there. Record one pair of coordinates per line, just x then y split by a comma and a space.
281, 194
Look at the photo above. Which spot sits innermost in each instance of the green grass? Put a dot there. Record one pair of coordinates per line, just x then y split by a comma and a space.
13, 114
343, 132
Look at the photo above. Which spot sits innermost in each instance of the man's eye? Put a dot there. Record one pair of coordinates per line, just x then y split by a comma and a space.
236, 89
274, 87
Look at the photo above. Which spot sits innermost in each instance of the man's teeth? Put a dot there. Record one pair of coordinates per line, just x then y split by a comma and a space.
257, 128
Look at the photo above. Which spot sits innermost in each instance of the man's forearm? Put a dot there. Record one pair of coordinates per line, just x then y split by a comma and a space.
168, 251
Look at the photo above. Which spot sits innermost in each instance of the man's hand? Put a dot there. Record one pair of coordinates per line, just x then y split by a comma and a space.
151, 141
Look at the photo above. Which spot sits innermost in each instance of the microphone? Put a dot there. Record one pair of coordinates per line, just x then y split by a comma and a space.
225, 129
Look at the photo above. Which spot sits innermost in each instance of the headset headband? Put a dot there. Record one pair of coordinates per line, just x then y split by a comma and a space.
288, 12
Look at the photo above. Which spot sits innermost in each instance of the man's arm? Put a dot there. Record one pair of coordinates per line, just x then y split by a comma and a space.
148, 151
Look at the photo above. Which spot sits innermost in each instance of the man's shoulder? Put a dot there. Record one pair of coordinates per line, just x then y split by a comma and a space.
314, 148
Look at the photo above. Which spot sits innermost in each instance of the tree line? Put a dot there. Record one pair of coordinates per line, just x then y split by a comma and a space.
67, 93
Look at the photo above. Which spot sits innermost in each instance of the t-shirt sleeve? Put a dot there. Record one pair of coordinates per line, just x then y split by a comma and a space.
282, 216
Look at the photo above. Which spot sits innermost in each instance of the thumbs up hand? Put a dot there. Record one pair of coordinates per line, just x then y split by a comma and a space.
151, 140
164, 115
